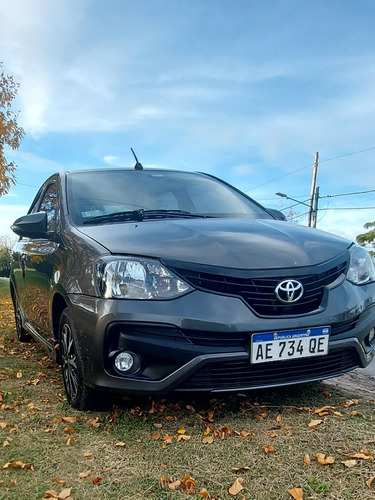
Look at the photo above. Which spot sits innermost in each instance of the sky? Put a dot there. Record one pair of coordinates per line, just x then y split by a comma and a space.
246, 90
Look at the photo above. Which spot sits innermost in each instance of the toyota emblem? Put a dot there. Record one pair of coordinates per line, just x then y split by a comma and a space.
289, 291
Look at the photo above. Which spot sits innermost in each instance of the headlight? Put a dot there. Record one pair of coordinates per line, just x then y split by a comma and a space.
361, 268
131, 278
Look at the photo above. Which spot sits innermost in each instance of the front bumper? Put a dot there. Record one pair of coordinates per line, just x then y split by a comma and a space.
201, 342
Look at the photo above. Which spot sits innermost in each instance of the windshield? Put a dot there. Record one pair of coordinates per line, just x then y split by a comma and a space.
94, 194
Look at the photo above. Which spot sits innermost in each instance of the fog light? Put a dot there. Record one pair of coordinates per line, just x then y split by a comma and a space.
124, 361
371, 336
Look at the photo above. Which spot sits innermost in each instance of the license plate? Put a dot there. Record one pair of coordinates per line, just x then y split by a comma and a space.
293, 344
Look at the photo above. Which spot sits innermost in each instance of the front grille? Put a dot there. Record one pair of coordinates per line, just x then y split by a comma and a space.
259, 291
226, 340
237, 375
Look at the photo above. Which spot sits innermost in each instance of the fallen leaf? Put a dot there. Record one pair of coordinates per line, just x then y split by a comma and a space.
350, 402
170, 418
96, 480
258, 417
279, 418
156, 436
296, 493
240, 469
69, 420
229, 432
338, 414
307, 459
207, 431
64, 494
361, 456
325, 393
208, 440
273, 434
88, 454
50, 494
205, 494
236, 487
350, 463
94, 422
190, 484
370, 481
176, 484
121, 444
323, 459
269, 449
246, 433
181, 431
314, 423
83, 475
69, 441
69, 430
183, 437
165, 479
219, 433
18, 465
167, 439
190, 408
57, 480
31, 406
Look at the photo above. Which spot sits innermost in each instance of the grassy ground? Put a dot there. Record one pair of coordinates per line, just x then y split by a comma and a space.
266, 443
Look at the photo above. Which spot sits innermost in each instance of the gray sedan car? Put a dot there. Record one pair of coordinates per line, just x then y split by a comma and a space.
149, 281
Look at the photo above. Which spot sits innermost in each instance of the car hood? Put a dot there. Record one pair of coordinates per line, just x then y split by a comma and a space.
236, 243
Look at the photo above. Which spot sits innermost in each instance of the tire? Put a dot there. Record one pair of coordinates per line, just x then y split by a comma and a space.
22, 334
79, 395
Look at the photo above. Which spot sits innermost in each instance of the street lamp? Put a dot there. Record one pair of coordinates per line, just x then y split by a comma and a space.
289, 198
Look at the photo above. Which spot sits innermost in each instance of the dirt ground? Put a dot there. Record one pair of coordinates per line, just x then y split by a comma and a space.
357, 382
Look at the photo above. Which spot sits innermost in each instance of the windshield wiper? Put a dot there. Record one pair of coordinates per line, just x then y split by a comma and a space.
140, 215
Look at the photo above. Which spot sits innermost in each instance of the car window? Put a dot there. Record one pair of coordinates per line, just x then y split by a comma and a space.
50, 204
98, 193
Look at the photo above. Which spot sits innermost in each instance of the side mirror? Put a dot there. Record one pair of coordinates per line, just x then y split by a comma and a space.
276, 213
31, 225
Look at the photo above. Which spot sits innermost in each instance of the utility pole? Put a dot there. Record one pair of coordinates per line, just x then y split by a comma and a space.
313, 183
315, 209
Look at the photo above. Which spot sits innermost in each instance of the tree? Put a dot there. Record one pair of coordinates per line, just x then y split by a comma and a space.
369, 237
11, 133
6, 245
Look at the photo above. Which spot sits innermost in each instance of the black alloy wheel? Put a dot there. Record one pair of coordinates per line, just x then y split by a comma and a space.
79, 395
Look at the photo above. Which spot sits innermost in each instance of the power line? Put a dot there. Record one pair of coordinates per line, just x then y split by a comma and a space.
348, 154
347, 208
348, 194
331, 196
310, 164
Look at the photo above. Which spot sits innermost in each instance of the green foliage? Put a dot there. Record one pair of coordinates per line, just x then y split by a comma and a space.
6, 245
367, 238
4, 262
10, 132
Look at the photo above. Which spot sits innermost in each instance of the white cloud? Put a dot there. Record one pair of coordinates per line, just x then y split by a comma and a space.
111, 160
